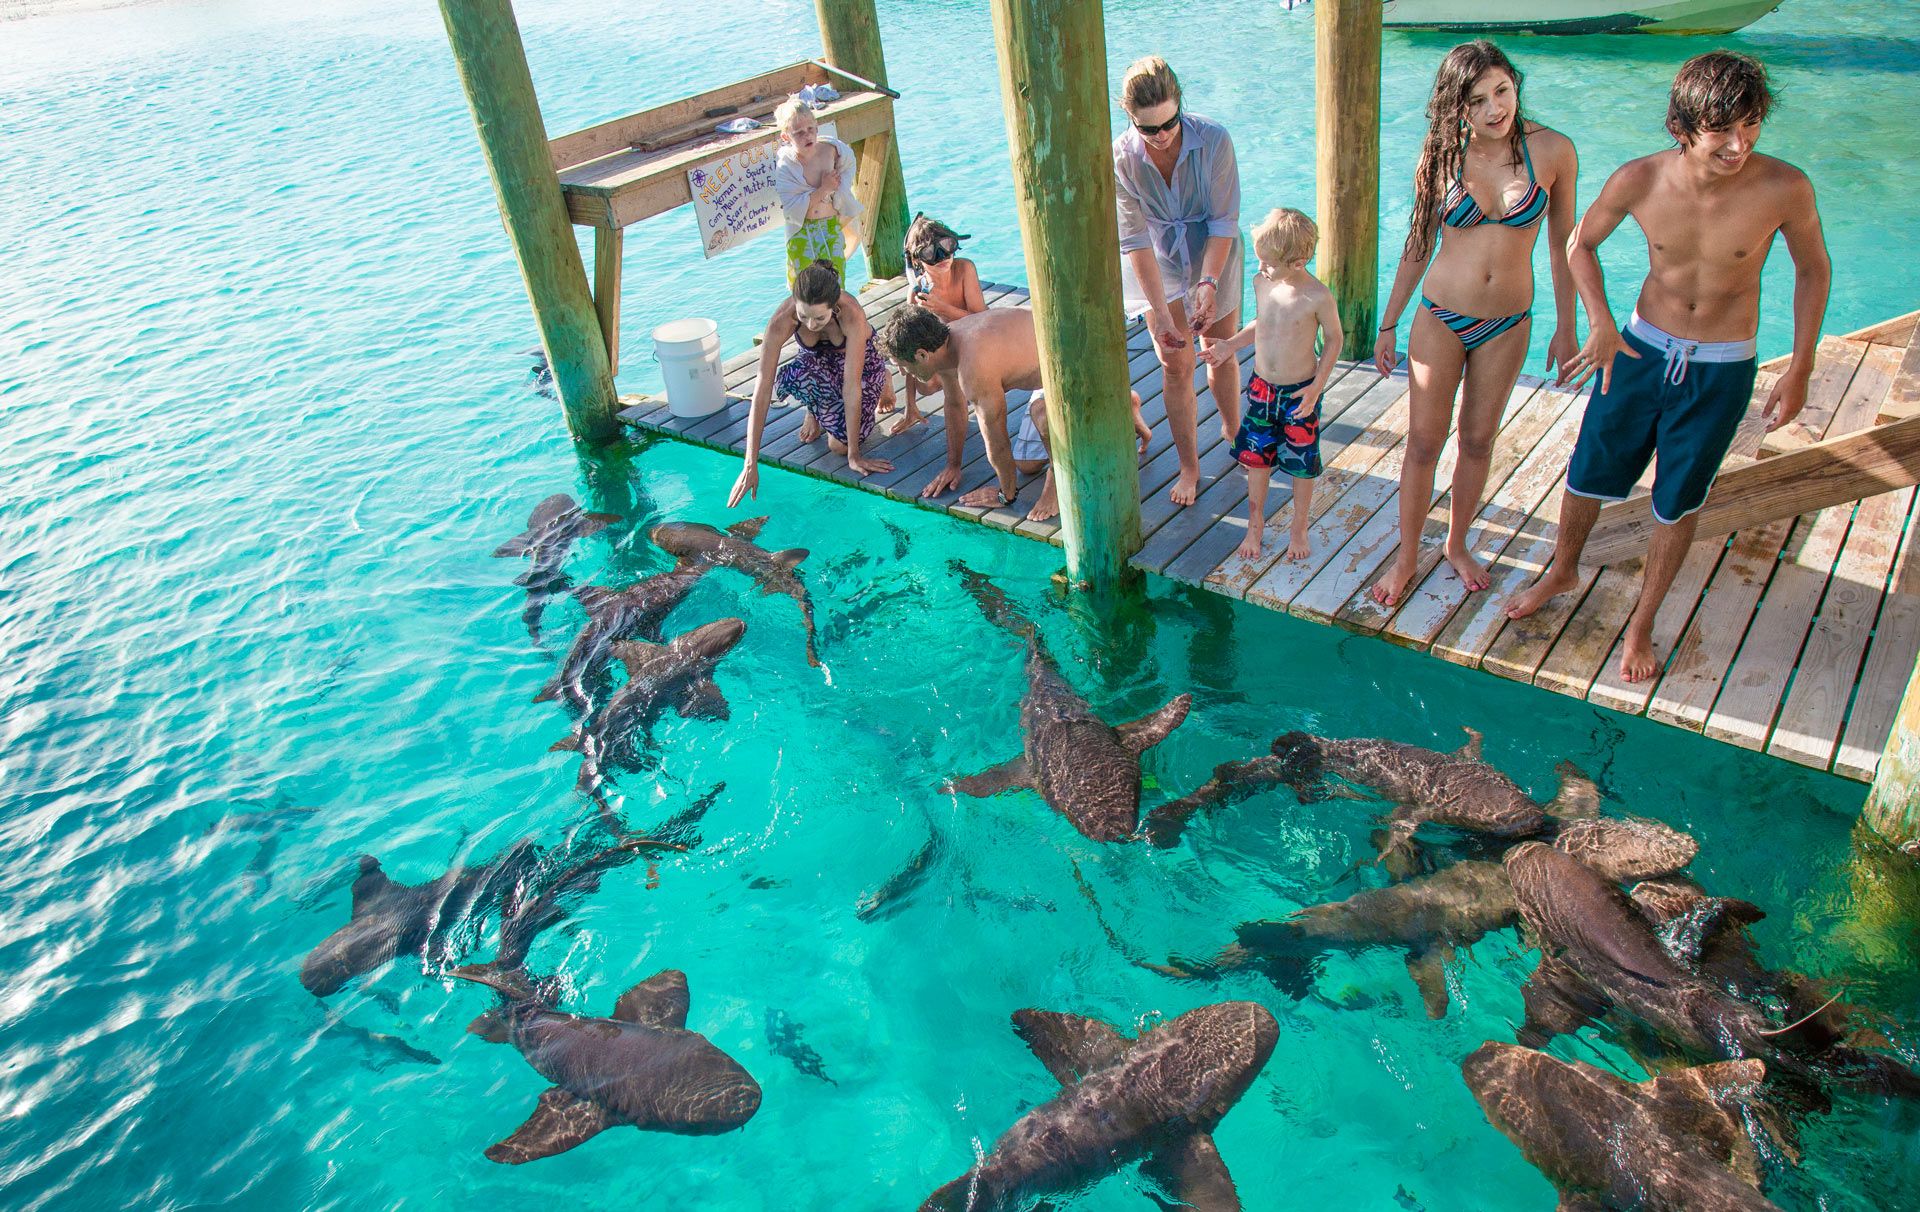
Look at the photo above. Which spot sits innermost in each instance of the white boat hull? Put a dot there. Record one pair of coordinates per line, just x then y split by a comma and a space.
1577, 16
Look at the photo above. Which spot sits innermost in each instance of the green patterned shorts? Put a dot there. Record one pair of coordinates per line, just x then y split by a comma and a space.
817, 240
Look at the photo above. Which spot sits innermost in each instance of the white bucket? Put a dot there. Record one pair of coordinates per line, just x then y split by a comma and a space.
689, 355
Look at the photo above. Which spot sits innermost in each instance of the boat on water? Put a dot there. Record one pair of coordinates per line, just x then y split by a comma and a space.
1576, 16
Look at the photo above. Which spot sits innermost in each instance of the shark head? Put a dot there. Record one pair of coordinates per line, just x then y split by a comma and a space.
1623, 851
713, 640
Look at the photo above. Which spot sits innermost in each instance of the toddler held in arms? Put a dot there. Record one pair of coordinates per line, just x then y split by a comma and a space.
1280, 425
814, 178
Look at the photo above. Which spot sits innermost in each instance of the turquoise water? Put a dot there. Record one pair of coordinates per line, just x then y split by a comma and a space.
266, 419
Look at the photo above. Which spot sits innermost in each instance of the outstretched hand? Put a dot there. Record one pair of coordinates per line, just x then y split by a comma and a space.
748, 485
1214, 353
1597, 354
943, 483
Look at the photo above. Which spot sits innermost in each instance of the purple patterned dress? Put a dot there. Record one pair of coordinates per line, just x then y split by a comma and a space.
816, 377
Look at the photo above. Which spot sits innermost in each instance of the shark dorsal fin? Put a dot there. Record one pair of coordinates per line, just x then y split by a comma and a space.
658, 1001
561, 1121
1069, 1045
1190, 1171
1470, 752
634, 653
372, 882
1578, 799
1149, 730
791, 557
747, 529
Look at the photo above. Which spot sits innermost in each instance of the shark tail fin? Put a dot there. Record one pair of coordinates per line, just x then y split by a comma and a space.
1578, 798
508, 980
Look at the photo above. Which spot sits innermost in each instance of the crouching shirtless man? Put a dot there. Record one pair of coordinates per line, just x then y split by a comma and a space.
1676, 384
978, 359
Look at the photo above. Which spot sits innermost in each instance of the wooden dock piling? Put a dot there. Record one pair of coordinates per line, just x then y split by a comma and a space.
1346, 92
493, 70
850, 32
1053, 77
1893, 806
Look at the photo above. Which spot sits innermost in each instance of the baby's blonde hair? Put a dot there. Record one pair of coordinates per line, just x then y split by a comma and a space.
1285, 236
789, 109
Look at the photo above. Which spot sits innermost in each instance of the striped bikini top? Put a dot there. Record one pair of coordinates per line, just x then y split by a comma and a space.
1460, 210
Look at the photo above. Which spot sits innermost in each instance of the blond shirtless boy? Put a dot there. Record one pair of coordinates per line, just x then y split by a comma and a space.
1280, 425
1674, 387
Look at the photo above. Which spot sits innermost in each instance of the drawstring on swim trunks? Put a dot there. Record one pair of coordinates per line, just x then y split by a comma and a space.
1679, 357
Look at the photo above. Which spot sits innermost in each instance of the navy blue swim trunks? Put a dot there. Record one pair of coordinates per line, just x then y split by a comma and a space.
1681, 400
1274, 434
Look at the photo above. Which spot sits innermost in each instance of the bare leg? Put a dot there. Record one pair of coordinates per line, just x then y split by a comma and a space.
1256, 511
1048, 506
1297, 546
1577, 515
1668, 548
1491, 373
1176, 368
1141, 433
1434, 364
1224, 380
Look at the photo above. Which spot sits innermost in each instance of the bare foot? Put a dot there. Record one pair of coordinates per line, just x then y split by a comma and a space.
988, 496
1048, 506
1251, 546
1298, 548
908, 420
1393, 582
1472, 573
809, 429
1186, 488
1551, 584
1638, 661
1141, 432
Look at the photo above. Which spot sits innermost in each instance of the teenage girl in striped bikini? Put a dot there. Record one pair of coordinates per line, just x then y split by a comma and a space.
1487, 177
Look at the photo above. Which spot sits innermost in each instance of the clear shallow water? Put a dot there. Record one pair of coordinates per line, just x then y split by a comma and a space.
265, 421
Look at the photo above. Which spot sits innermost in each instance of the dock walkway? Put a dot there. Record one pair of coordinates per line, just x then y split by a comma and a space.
1796, 638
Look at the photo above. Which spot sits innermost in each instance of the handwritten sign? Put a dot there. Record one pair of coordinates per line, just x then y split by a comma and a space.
734, 198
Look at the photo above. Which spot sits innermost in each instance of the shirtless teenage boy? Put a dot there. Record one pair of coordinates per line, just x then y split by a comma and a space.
1677, 382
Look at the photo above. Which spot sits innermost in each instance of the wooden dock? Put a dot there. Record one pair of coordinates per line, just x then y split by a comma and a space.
1796, 638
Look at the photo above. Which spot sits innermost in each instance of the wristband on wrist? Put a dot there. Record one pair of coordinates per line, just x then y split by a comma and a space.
1209, 280
1389, 324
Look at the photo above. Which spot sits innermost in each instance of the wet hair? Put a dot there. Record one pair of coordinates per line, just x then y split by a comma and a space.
1440, 157
912, 330
817, 283
1286, 235
788, 110
1717, 91
1148, 82
924, 235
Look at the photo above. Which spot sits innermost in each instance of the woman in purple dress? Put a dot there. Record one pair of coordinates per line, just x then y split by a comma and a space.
825, 321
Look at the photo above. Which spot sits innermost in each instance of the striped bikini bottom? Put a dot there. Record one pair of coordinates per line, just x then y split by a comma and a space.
1472, 330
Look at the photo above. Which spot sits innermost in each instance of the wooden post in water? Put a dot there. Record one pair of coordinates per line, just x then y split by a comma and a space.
493, 69
1346, 93
850, 31
1893, 806
1053, 83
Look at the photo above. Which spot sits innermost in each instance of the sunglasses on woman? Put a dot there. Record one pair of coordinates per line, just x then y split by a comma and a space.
1168, 125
